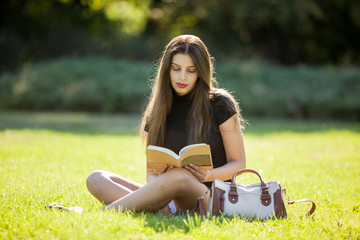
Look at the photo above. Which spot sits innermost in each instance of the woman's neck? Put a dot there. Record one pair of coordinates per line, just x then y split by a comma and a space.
181, 99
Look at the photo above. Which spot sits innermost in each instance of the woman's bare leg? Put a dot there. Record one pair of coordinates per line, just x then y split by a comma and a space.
178, 184
108, 187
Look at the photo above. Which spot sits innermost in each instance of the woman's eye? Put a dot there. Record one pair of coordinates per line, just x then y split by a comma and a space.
192, 71
176, 69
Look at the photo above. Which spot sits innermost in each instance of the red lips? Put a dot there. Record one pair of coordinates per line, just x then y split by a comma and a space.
181, 85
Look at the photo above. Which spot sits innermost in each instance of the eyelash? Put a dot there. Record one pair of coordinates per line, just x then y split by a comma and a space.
178, 69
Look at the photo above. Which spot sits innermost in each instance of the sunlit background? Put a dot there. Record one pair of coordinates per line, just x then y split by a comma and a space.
280, 58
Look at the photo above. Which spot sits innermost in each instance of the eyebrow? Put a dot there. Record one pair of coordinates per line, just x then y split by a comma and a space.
180, 66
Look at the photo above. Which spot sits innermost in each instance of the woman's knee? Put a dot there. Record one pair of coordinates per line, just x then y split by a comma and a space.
93, 179
179, 178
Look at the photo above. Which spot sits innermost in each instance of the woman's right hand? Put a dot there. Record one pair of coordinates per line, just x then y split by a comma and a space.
164, 169
152, 176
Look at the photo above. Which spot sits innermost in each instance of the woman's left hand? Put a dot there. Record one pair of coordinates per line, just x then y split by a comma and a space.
200, 173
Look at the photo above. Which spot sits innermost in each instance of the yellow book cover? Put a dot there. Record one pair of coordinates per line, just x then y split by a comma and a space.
157, 157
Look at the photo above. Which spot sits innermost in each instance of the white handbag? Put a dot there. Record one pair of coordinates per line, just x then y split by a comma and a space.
258, 200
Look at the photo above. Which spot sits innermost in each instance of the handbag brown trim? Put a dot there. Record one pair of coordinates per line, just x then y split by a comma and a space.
280, 210
218, 204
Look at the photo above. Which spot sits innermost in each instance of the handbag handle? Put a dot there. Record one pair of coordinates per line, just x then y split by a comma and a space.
265, 196
313, 205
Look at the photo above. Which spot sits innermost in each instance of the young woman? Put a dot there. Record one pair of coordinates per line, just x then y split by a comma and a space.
184, 108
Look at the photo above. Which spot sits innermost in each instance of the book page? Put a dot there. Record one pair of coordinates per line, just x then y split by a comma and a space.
157, 157
199, 155
165, 150
190, 146
200, 160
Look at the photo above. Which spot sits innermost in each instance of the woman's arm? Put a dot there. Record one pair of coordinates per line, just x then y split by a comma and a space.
235, 154
234, 148
150, 177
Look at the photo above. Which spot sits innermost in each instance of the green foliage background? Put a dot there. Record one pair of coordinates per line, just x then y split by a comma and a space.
287, 32
280, 58
108, 85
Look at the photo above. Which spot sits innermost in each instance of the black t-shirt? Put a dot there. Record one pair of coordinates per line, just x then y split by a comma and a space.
176, 129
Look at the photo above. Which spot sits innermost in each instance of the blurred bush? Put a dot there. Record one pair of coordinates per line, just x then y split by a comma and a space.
300, 92
109, 85
76, 84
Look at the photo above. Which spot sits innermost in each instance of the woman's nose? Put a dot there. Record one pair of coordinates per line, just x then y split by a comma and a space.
182, 75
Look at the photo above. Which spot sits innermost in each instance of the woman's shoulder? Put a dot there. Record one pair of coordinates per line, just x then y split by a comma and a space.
224, 105
222, 97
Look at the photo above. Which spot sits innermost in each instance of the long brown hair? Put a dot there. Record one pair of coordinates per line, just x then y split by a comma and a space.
160, 102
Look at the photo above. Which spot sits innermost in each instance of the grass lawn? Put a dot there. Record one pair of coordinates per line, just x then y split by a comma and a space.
46, 157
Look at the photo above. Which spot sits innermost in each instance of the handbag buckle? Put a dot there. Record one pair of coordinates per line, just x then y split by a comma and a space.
287, 197
285, 194
203, 196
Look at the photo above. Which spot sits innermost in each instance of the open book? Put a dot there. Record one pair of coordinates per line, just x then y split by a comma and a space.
157, 157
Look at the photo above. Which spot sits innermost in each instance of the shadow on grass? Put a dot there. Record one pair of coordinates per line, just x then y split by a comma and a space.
115, 124
187, 223
183, 223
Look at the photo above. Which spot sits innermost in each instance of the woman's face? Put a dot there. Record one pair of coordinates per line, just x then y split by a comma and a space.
183, 74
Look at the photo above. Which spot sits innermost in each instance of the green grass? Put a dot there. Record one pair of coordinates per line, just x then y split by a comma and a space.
46, 157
